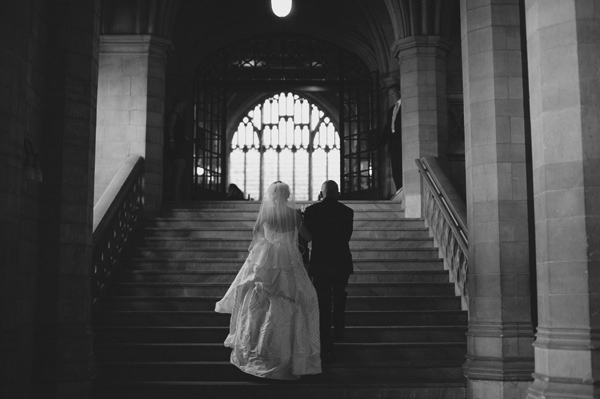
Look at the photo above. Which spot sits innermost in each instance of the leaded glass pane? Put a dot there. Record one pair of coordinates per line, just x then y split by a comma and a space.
270, 170
301, 175
319, 161
253, 179
236, 171
267, 140
275, 141
305, 111
286, 167
305, 135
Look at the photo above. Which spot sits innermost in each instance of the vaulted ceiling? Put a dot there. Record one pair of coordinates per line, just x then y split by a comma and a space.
198, 28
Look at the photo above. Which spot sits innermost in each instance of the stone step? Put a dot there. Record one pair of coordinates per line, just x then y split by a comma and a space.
199, 233
381, 223
241, 253
268, 390
255, 205
168, 276
194, 233
210, 318
211, 264
353, 334
364, 303
247, 214
345, 352
244, 243
390, 233
218, 289
340, 372
225, 215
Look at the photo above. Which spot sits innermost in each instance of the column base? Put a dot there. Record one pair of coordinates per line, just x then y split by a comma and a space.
489, 378
545, 387
488, 389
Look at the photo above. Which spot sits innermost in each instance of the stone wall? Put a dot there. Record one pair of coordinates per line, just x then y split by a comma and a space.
131, 91
47, 108
21, 82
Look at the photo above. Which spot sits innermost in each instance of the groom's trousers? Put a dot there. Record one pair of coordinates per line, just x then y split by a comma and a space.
331, 290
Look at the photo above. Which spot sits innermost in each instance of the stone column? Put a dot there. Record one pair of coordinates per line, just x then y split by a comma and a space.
19, 193
563, 38
499, 352
63, 363
131, 92
422, 61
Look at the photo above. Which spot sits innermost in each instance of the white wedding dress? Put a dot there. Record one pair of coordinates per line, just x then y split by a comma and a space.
274, 327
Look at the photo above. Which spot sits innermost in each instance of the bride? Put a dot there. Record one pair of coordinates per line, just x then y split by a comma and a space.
274, 327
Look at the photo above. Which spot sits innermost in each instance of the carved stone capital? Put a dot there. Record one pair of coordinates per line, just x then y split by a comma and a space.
434, 45
154, 46
390, 81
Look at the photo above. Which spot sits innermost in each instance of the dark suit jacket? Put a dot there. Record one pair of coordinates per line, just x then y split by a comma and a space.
330, 225
386, 132
395, 144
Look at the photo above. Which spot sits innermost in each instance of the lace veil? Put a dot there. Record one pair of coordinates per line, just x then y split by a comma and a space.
278, 213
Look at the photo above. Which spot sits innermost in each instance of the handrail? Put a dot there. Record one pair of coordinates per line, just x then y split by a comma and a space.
445, 213
115, 215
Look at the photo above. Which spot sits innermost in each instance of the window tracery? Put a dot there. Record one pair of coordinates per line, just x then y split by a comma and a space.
285, 138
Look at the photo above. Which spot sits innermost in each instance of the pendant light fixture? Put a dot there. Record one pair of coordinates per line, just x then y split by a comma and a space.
281, 8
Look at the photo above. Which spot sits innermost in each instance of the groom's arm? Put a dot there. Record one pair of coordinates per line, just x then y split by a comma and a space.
348, 223
308, 222
303, 230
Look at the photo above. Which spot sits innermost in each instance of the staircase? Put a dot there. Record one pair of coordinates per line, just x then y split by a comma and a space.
157, 335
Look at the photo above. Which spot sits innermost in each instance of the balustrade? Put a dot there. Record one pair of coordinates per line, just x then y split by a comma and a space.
115, 217
444, 212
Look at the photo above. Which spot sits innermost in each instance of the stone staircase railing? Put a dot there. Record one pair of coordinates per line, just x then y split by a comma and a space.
445, 213
115, 215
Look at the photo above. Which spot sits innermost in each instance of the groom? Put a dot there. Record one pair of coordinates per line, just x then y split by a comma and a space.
329, 223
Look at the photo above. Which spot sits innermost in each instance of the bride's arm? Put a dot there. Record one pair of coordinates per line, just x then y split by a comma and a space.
257, 233
305, 233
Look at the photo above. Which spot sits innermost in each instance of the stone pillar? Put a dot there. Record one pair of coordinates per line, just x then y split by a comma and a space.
422, 61
19, 193
499, 352
63, 364
131, 93
563, 38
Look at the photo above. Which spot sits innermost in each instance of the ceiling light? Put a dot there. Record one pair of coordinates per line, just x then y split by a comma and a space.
281, 8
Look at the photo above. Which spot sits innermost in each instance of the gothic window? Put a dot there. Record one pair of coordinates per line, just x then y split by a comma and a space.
285, 138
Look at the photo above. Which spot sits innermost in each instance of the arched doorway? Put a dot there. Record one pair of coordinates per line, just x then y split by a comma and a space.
295, 64
288, 138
